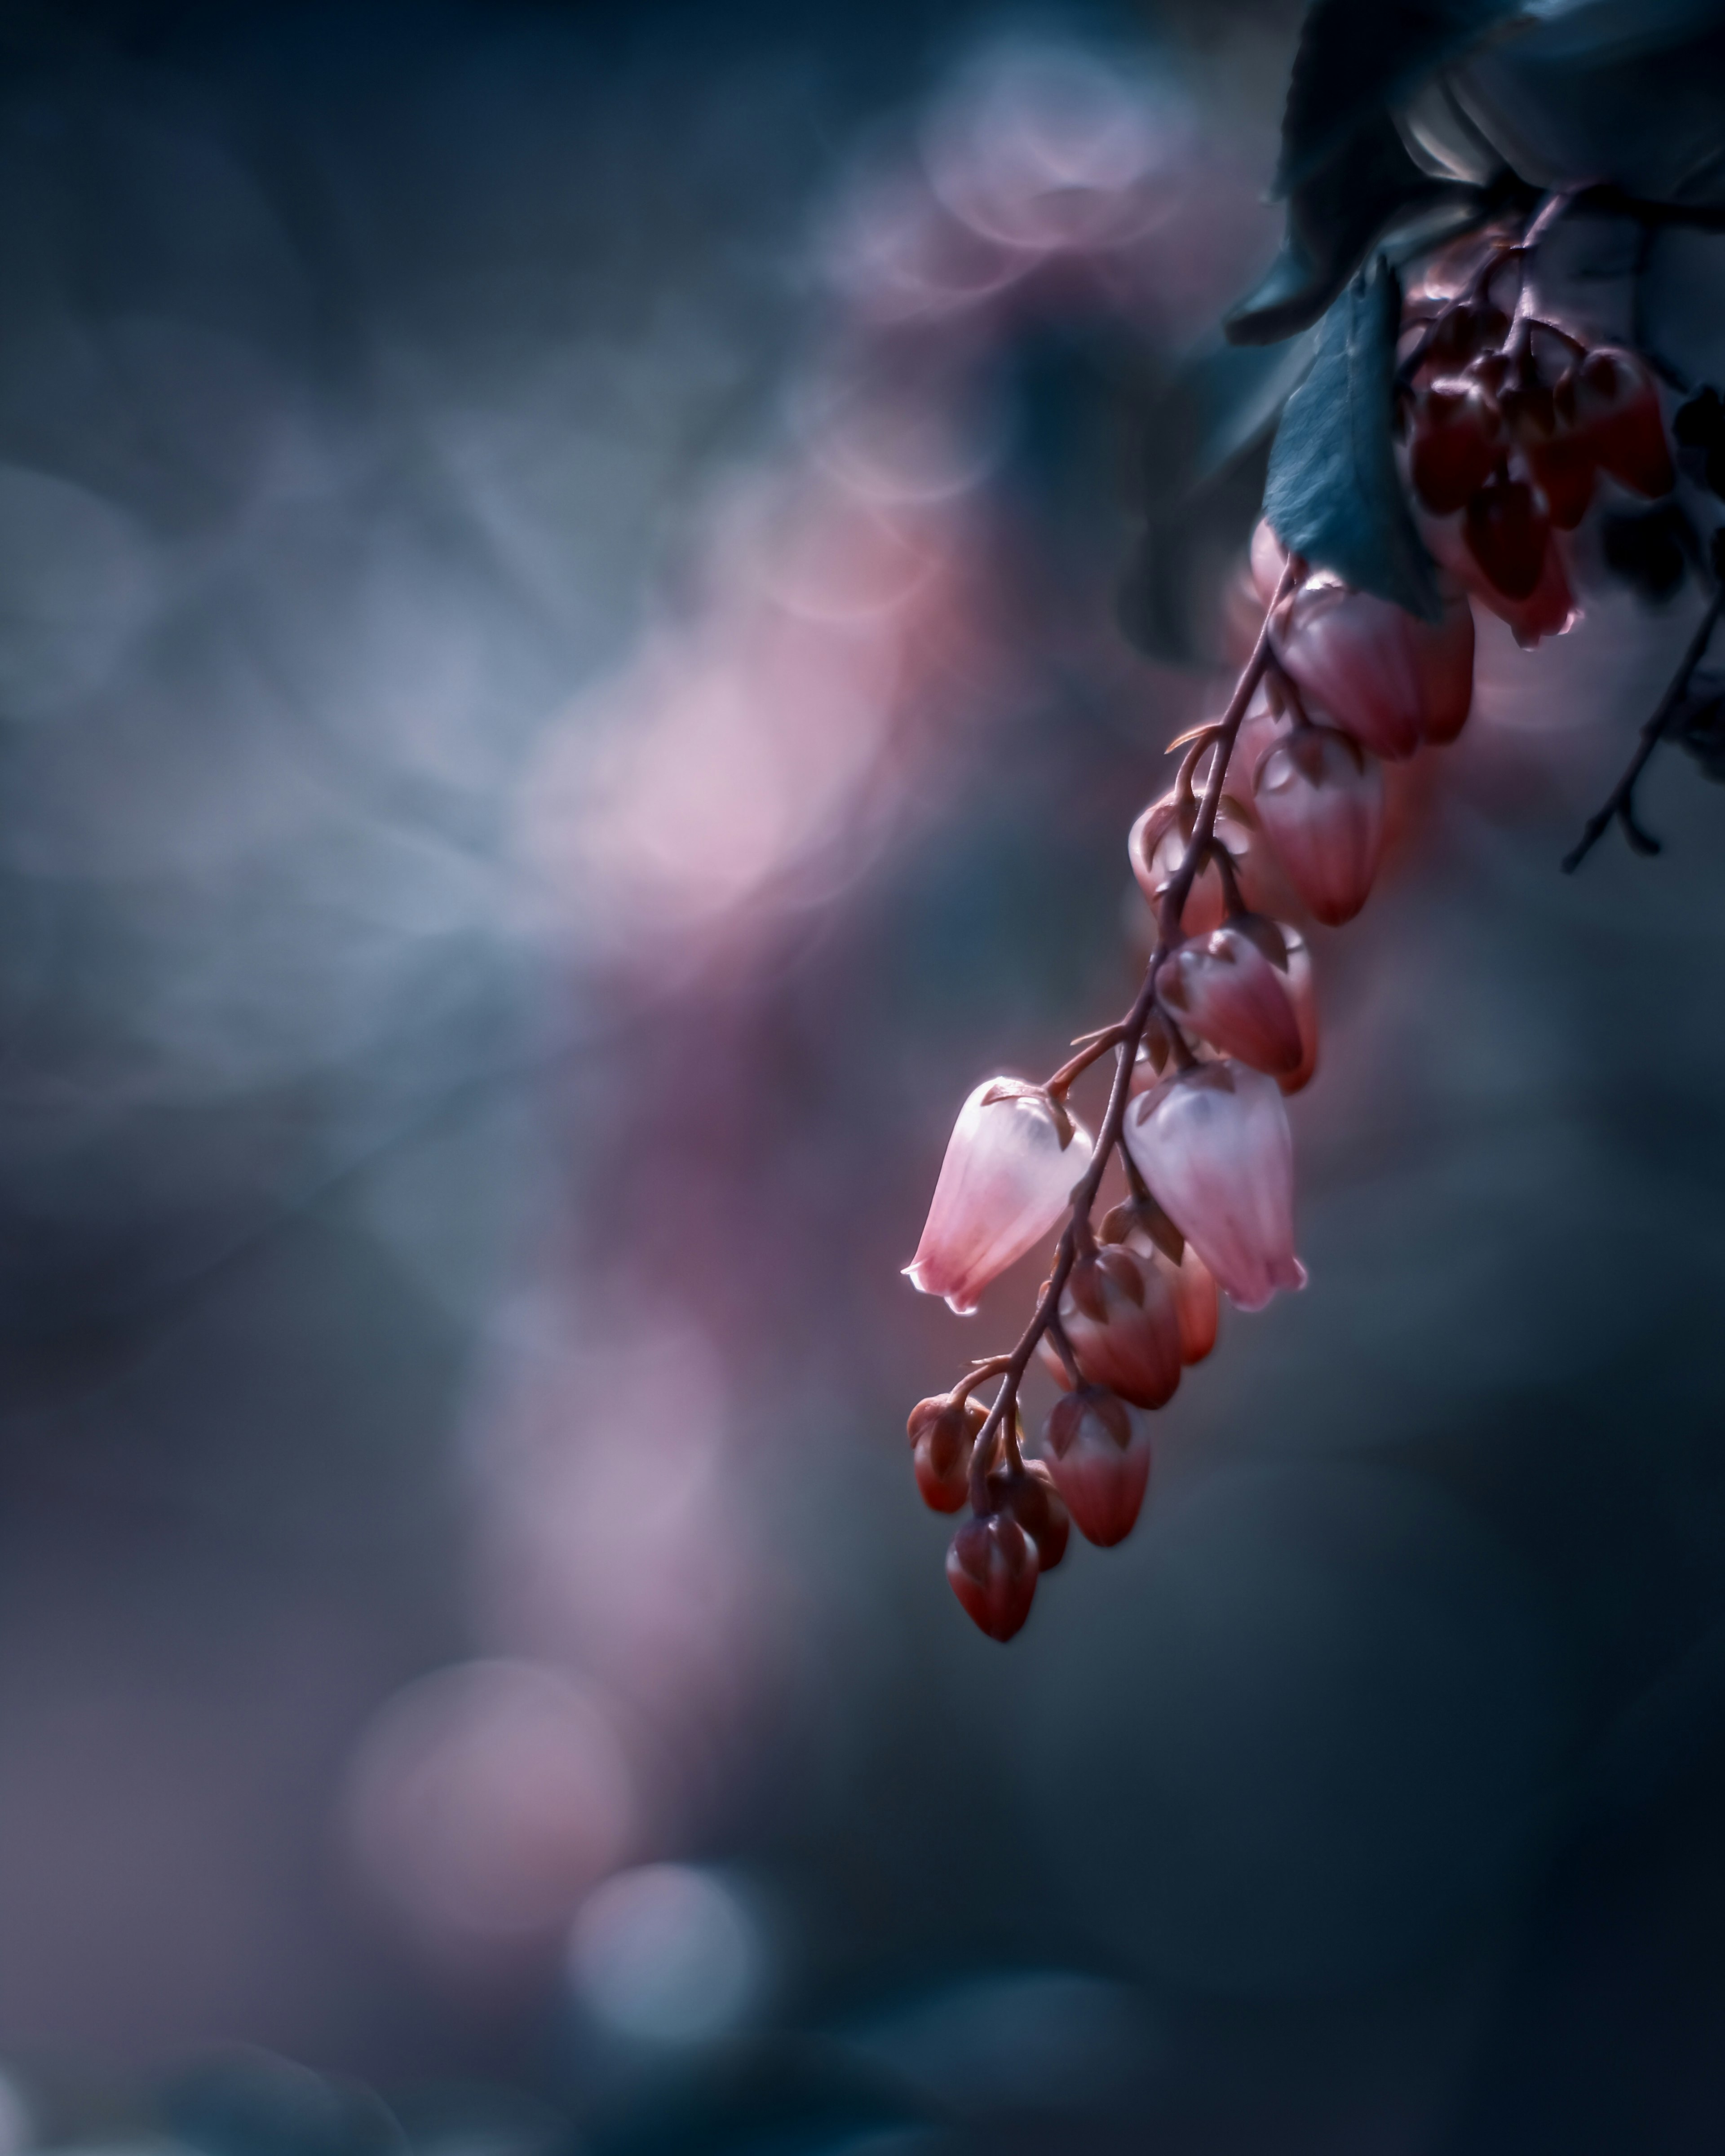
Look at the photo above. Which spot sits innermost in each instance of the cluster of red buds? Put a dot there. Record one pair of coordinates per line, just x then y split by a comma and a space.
1506, 422
1509, 419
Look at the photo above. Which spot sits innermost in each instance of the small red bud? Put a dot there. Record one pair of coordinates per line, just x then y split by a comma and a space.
1456, 441
943, 1431
1613, 405
1223, 987
1320, 799
1100, 1458
1142, 1226
992, 1568
1379, 674
1121, 1320
1031, 1498
1508, 530
1560, 455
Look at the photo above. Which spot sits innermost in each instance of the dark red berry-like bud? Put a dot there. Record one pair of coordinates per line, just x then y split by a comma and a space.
943, 1431
1100, 1456
1464, 333
1320, 798
1455, 442
1508, 532
1612, 402
1223, 988
1560, 455
1029, 1495
992, 1568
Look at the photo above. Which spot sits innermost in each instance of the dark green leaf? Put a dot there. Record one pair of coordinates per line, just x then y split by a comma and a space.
1333, 493
1357, 58
1334, 214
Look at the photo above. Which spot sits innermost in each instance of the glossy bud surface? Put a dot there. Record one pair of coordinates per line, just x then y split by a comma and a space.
943, 1431
1456, 441
1099, 1454
1222, 987
992, 1567
1507, 531
1119, 1315
1032, 1498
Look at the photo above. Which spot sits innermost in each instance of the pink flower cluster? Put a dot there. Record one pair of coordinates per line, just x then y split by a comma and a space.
1223, 1030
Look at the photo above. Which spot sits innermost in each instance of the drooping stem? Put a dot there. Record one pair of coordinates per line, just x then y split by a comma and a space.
1621, 803
1126, 1036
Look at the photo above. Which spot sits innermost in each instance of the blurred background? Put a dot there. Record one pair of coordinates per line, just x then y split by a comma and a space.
560, 702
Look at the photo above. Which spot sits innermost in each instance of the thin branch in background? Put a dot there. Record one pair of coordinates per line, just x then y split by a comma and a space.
1620, 804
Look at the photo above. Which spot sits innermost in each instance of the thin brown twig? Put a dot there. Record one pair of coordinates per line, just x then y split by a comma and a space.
1619, 803
1092, 1049
1003, 1416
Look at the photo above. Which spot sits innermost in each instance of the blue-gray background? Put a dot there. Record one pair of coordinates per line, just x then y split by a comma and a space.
481, 1001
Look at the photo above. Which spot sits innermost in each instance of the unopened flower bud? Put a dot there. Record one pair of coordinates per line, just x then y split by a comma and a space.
1198, 1305
1118, 1314
1212, 1143
1546, 610
1320, 800
1223, 988
992, 1568
1011, 1163
1157, 847
1612, 402
1099, 1453
1142, 1226
1456, 441
943, 1431
1379, 674
1507, 528
1029, 1495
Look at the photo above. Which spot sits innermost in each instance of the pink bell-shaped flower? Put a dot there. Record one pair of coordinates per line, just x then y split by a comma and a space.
1223, 988
1212, 1143
1381, 675
1012, 1158
1099, 1454
1141, 1225
1121, 1318
1320, 800
992, 1568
